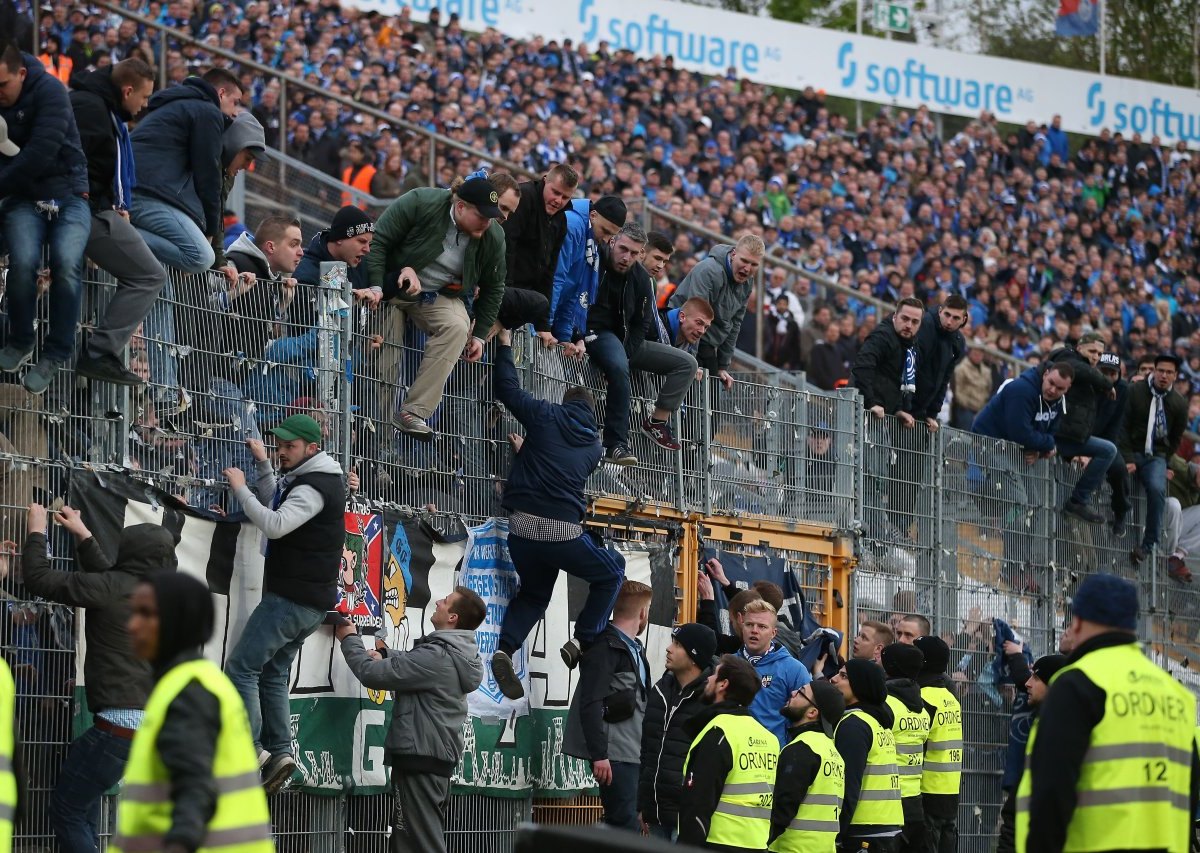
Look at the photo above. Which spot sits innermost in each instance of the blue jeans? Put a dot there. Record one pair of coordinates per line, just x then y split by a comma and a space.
620, 798
261, 661
172, 236
1103, 454
159, 331
65, 234
608, 354
95, 763
1152, 471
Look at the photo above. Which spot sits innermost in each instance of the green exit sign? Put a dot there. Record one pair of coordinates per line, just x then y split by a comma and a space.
896, 17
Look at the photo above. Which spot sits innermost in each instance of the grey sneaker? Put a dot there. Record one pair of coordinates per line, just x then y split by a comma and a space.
39, 377
413, 425
277, 772
11, 359
506, 676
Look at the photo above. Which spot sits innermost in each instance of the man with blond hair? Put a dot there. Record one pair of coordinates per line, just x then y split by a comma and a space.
870, 640
780, 673
724, 280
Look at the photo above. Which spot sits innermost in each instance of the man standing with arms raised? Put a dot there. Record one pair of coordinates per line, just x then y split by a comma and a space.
302, 516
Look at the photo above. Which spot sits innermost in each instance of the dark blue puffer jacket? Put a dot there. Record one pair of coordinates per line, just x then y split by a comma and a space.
177, 151
51, 163
561, 449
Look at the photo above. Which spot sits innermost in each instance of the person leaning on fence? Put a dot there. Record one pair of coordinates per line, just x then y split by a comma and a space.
544, 495
675, 699
191, 781
1075, 428
1111, 762
941, 774
430, 685
116, 682
1110, 421
1032, 684
1154, 425
940, 347
103, 102
590, 225
725, 281
435, 252
872, 815
301, 514
44, 209
902, 665
810, 781
604, 723
729, 772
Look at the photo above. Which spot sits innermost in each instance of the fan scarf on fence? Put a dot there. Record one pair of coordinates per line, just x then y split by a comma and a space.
394, 569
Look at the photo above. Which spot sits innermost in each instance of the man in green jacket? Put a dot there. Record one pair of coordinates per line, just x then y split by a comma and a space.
435, 253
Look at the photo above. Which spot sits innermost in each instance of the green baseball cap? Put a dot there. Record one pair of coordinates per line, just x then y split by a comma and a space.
299, 426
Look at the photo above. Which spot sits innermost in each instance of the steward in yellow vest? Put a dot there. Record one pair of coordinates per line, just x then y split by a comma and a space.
941, 773
810, 783
9, 792
729, 772
192, 780
1111, 762
902, 664
872, 815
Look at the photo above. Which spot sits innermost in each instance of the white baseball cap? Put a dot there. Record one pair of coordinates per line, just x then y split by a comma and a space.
7, 147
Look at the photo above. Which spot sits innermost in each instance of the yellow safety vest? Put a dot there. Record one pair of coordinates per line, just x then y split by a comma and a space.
743, 815
879, 798
1134, 783
8, 739
815, 827
911, 730
942, 770
241, 822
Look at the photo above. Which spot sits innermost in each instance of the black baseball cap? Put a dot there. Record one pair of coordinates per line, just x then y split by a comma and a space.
1110, 361
481, 193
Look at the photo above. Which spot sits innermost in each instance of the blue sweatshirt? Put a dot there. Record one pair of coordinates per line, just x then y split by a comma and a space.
561, 449
781, 675
1019, 414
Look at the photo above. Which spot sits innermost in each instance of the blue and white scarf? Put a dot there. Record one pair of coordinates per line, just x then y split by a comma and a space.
123, 175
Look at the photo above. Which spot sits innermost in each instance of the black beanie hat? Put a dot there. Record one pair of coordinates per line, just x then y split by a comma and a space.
901, 661
866, 681
350, 222
612, 209
698, 641
937, 654
1047, 665
829, 702
185, 614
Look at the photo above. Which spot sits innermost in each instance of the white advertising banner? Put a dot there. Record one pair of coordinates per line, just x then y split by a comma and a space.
843, 64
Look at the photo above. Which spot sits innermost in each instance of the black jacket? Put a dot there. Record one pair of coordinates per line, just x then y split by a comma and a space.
879, 369
798, 767
1137, 412
1087, 390
1071, 711
938, 353
1110, 414
113, 677
621, 304
711, 760
853, 740
827, 366
609, 703
665, 746
532, 241
51, 163
95, 101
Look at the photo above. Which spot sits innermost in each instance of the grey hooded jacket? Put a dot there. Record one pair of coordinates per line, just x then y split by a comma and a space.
430, 685
710, 280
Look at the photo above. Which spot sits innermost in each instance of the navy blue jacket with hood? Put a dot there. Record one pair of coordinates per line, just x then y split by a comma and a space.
561, 449
1018, 413
177, 149
51, 163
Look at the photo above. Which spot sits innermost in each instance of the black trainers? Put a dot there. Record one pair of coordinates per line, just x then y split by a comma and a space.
1119, 527
277, 772
1082, 511
619, 454
571, 652
506, 676
106, 368
660, 434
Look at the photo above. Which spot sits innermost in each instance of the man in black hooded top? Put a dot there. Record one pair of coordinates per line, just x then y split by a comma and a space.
902, 664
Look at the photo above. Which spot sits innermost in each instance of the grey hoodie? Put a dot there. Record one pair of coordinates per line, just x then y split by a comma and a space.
303, 502
430, 684
710, 280
245, 132
257, 261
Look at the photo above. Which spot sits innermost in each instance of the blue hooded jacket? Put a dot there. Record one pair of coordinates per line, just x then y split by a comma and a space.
177, 151
51, 163
577, 275
781, 675
1018, 413
561, 449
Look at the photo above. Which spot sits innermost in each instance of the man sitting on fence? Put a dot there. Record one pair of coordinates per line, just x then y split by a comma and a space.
545, 498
